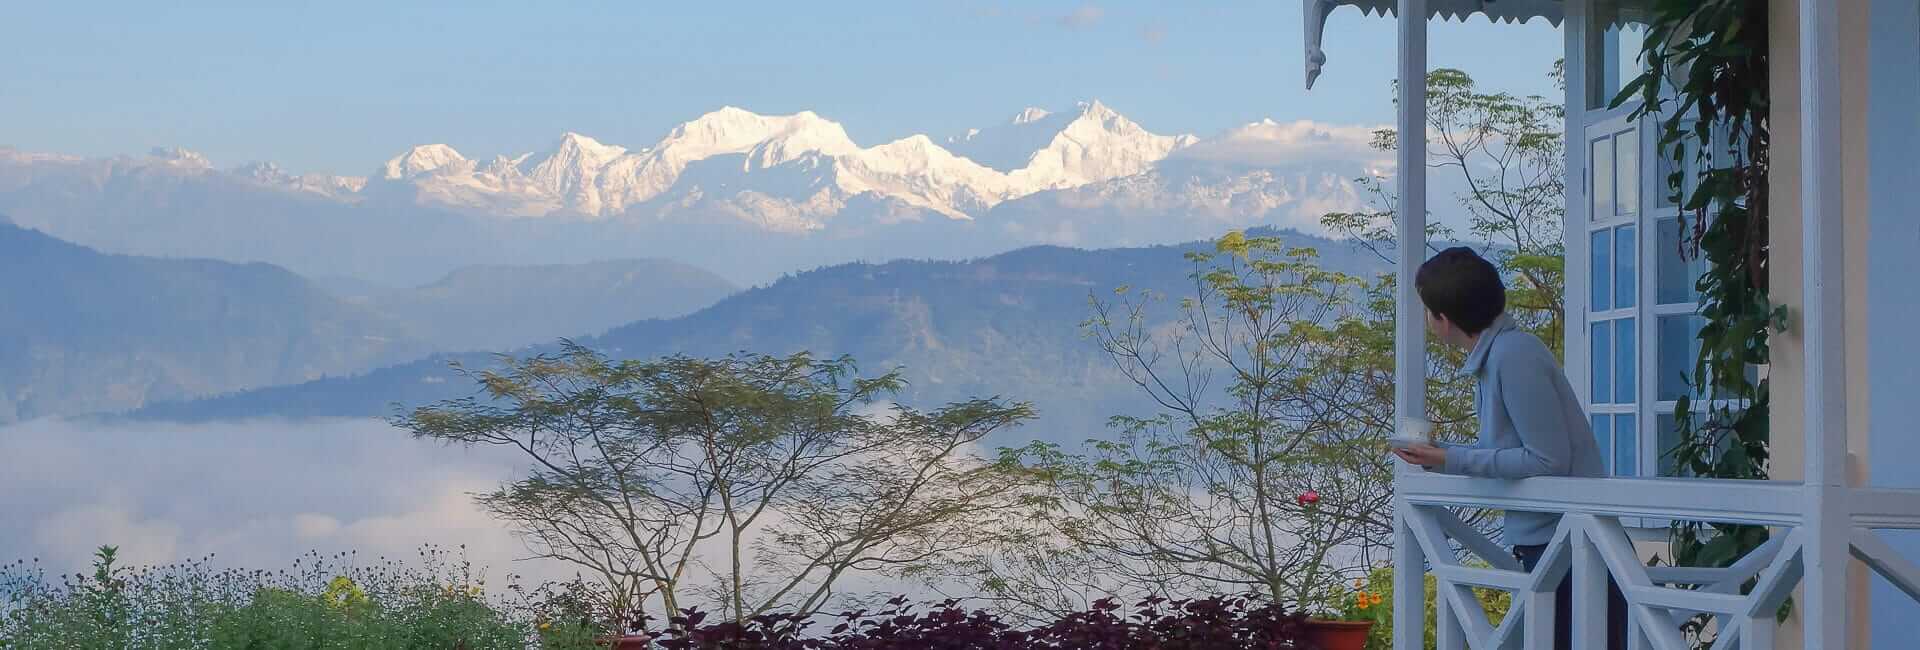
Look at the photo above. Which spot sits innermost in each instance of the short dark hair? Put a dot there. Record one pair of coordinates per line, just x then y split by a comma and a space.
1462, 286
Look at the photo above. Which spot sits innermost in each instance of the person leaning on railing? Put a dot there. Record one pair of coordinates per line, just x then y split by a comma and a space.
1531, 423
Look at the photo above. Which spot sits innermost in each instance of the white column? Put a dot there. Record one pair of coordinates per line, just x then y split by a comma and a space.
1410, 352
1823, 274
1410, 342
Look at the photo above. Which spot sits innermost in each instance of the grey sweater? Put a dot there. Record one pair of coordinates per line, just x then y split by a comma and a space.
1531, 424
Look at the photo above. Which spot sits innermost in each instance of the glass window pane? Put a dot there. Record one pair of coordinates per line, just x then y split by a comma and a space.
1601, 273
1667, 437
1625, 363
1675, 277
1691, 169
1603, 437
1600, 170
1625, 251
1614, 59
1663, 169
1675, 352
1626, 445
1626, 151
1723, 393
1631, 38
1602, 380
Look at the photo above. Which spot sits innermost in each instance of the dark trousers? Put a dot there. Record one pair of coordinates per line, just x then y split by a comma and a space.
1529, 556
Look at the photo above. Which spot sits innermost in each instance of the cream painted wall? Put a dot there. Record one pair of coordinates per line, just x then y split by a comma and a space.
1784, 261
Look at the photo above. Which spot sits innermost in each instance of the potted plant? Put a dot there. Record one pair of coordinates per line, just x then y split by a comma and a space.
634, 638
630, 641
1346, 620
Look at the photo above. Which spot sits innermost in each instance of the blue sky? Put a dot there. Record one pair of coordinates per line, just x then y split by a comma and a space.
341, 86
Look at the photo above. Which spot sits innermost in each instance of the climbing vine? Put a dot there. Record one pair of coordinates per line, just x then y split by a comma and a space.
1706, 83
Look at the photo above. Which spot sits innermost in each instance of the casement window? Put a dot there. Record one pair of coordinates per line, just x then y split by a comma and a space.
1633, 315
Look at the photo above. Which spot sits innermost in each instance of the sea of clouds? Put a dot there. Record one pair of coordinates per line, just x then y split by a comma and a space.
255, 494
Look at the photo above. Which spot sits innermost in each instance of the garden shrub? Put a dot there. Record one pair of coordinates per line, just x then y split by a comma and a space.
333, 603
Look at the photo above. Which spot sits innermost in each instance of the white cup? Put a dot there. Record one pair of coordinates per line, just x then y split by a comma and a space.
1412, 431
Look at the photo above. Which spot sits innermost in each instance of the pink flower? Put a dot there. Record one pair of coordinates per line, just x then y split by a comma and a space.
1308, 498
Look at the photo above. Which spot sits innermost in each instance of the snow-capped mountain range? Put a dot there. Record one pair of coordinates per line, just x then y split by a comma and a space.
734, 180
790, 172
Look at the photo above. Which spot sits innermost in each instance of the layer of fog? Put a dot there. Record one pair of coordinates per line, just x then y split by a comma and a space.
256, 494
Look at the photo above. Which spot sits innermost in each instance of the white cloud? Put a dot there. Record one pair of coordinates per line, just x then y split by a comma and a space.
256, 494
260, 493
1270, 143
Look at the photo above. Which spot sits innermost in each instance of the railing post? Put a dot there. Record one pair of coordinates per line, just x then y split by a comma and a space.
1589, 591
1538, 632
1823, 276
1636, 637
1409, 584
1448, 634
1756, 633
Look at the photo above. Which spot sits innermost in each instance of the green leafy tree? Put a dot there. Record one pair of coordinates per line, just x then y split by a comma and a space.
1275, 379
1509, 152
742, 484
1262, 472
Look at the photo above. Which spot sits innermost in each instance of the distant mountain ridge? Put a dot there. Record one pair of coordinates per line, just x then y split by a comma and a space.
581, 176
1007, 324
82, 331
87, 332
499, 307
746, 195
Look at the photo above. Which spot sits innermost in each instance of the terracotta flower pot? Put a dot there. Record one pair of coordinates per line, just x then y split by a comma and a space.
627, 642
1338, 635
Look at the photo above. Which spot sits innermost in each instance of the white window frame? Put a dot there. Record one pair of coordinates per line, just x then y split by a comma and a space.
1599, 125
1592, 66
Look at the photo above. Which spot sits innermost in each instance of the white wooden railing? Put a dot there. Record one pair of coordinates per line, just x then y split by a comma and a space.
1591, 545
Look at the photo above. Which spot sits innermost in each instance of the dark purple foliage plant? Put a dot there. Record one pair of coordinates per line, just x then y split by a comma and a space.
1217, 623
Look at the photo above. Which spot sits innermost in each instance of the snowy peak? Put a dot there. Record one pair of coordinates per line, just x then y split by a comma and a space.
505, 167
1043, 150
1095, 118
271, 175
798, 155
732, 130
799, 172
571, 165
570, 169
178, 157
265, 172
573, 146
1031, 114
916, 146
1096, 110
421, 160
1094, 144
918, 155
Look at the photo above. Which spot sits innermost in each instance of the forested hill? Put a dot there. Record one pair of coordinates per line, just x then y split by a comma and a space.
1007, 325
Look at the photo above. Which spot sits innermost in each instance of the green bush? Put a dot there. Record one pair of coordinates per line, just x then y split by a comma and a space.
1380, 581
322, 603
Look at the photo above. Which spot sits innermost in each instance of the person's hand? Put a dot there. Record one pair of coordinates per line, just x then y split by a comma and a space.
1427, 456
